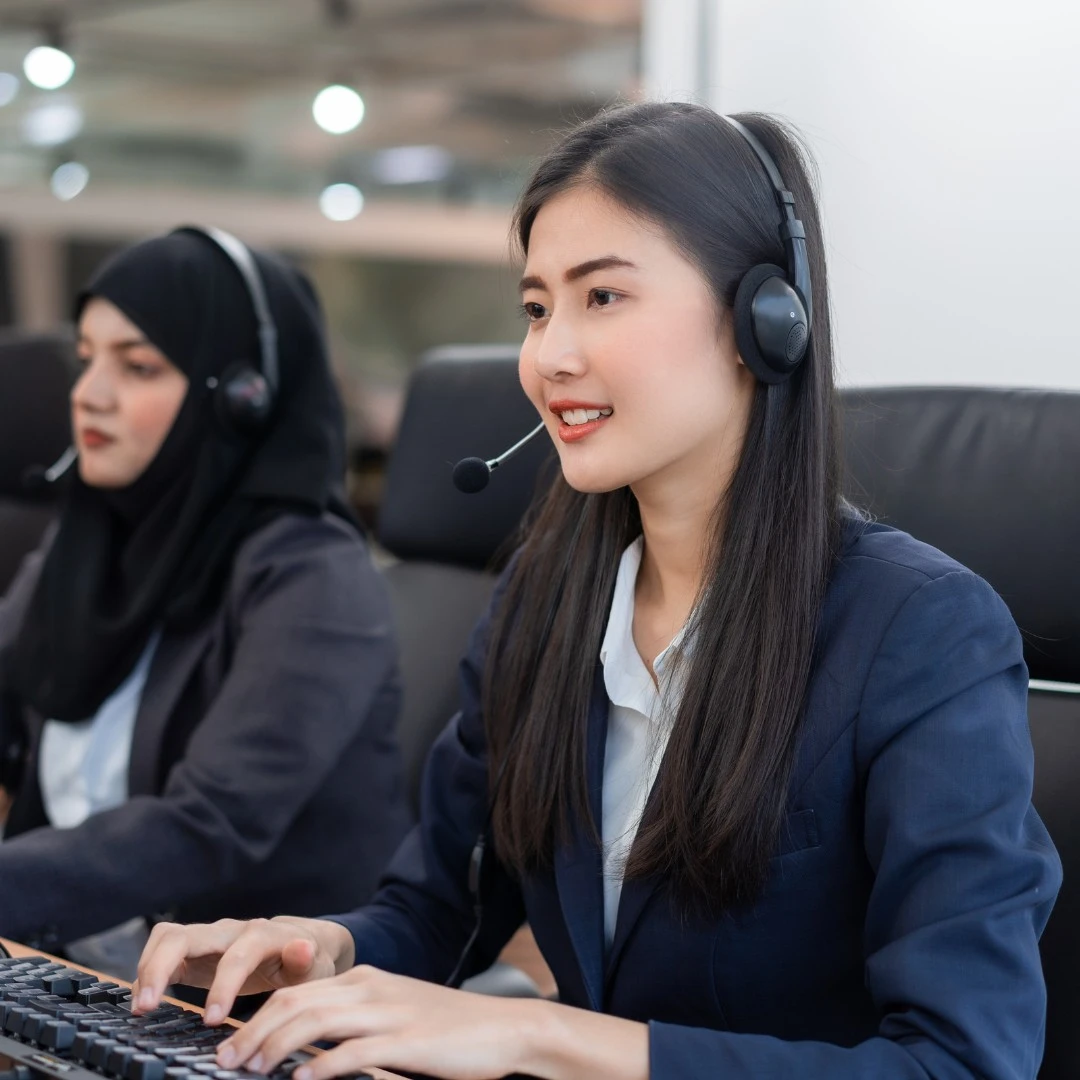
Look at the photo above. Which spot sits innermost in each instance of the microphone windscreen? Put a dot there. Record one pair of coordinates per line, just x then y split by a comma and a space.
471, 475
34, 479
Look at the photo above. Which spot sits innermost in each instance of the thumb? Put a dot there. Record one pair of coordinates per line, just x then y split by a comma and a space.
297, 959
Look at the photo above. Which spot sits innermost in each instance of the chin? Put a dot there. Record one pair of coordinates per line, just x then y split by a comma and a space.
101, 478
594, 481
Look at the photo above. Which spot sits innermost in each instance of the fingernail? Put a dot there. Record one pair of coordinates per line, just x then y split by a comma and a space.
215, 1014
226, 1057
256, 1063
303, 1073
146, 998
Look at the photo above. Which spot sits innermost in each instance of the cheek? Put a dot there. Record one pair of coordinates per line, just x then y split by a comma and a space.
150, 413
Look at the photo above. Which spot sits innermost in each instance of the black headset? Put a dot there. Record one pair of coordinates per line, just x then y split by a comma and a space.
244, 394
773, 307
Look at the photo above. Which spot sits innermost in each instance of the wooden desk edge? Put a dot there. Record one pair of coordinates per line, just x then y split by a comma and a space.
16, 949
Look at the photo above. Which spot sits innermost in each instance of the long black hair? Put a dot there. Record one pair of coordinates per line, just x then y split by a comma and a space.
715, 813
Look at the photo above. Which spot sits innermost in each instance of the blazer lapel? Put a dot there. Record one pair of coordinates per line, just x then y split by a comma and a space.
173, 663
633, 899
579, 868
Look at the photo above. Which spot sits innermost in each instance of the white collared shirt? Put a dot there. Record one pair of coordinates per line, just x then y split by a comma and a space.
639, 724
83, 766
83, 770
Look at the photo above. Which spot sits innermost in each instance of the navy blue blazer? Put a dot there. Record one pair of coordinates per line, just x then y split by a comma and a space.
897, 936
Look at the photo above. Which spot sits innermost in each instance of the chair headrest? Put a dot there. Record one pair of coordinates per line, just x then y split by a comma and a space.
36, 373
462, 401
992, 477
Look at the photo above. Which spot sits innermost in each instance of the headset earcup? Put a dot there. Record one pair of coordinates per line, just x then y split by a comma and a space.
242, 399
770, 324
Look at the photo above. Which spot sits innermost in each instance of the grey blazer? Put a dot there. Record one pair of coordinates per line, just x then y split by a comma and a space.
264, 778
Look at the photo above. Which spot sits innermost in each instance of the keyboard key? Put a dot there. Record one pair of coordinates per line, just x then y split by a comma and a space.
81, 1046
58, 1035
145, 1067
99, 1050
119, 1056
92, 995
16, 1015
34, 1025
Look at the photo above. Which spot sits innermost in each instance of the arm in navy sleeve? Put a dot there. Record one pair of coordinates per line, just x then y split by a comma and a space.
965, 871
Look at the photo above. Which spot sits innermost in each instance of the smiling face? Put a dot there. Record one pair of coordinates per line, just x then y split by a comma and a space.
125, 400
638, 380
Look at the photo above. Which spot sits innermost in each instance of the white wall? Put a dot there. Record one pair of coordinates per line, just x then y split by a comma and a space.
948, 138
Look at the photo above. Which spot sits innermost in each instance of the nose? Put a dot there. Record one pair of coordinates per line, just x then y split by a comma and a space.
93, 390
559, 354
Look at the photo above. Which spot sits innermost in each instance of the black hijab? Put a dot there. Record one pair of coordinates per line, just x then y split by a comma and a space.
158, 553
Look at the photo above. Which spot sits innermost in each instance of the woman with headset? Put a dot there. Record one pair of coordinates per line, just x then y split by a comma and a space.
199, 680
755, 769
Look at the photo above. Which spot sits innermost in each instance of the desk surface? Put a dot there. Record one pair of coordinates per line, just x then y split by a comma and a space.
16, 949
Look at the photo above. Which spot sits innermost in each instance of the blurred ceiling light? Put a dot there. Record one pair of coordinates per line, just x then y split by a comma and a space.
411, 164
47, 67
69, 179
52, 123
341, 202
9, 87
338, 109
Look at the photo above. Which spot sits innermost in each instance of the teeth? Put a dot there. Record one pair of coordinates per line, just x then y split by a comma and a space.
583, 416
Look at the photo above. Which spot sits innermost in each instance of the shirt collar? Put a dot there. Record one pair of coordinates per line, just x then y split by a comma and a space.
626, 678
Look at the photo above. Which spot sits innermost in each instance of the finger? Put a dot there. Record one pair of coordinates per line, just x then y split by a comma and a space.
248, 1040
292, 1019
254, 945
162, 961
355, 1054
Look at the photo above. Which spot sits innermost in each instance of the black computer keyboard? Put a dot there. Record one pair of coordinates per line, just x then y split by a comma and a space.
63, 1023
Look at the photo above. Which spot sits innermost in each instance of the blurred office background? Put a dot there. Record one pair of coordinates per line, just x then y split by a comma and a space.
946, 135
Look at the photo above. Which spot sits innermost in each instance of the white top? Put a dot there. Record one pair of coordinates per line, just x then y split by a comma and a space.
639, 723
83, 770
83, 766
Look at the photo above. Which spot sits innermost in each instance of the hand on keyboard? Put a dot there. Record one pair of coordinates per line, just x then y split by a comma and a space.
232, 958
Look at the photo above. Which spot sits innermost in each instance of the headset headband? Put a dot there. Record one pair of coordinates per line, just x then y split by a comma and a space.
239, 255
792, 232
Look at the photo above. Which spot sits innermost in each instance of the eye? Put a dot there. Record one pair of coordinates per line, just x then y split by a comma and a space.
82, 360
602, 297
141, 370
533, 311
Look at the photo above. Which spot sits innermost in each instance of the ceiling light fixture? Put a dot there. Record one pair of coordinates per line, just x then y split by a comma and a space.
52, 123
341, 202
9, 87
68, 180
48, 67
338, 109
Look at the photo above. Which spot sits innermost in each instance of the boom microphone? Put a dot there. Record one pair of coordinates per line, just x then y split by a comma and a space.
472, 474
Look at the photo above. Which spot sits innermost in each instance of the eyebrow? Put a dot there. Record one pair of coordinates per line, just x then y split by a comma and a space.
129, 343
575, 273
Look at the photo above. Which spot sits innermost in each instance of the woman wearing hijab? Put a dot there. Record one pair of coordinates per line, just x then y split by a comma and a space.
198, 672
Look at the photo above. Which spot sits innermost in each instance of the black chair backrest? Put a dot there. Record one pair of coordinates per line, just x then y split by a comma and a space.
993, 478
463, 401
35, 378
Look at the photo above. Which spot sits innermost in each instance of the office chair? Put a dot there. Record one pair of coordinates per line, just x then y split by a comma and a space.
992, 477
36, 373
462, 401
